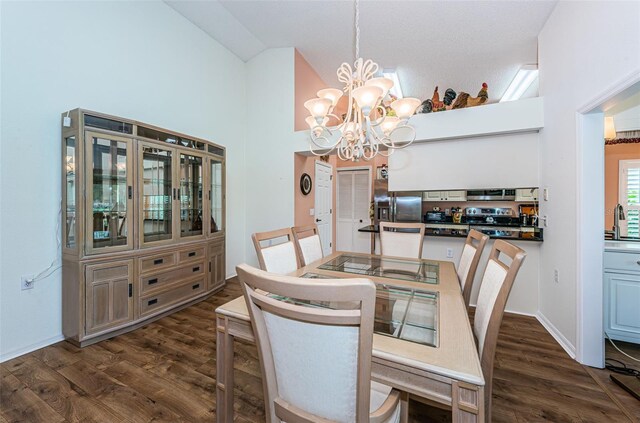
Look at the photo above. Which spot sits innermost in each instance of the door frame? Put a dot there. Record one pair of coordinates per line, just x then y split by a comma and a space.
590, 222
331, 205
353, 169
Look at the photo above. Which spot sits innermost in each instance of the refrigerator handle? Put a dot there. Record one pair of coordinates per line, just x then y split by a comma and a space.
392, 208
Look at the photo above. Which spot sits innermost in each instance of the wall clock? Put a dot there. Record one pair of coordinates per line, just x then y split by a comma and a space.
305, 184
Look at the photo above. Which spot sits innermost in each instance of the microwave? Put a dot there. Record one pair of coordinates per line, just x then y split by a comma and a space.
495, 194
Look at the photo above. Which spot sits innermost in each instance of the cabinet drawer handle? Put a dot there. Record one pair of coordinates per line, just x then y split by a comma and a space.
196, 286
152, 302
195, 269
191, 254
158, 261
152, 281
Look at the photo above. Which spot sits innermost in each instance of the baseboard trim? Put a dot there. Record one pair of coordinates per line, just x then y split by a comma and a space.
557, 335
29, 348
519, 313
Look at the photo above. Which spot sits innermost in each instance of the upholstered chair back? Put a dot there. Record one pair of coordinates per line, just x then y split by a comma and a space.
315, 361
276, 251
469, 260
401, 239
308, 244
494, 291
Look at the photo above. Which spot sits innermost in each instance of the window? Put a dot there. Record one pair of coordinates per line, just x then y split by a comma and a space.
629, 197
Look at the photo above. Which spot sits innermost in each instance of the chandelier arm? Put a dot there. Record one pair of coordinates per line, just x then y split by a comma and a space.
383, 114
404, 144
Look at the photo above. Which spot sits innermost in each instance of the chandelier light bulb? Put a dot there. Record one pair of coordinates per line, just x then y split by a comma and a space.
318, 107
384, 83
367, 97
332, 94
389, 124
405, 107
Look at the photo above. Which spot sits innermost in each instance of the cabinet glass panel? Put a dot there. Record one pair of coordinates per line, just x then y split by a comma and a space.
156, 193
190, 195
109, 178
216, 196
70, 191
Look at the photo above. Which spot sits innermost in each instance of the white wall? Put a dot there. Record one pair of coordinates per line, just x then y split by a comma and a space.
504, 161
270, 143
140, 60
579, 58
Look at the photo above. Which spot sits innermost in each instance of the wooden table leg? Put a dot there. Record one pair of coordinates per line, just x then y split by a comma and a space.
224, 372
467, 403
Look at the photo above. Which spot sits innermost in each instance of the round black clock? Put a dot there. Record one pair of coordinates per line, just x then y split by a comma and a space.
305, 184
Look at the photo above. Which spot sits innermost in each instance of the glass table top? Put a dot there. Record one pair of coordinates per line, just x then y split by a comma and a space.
400, 312
408, 270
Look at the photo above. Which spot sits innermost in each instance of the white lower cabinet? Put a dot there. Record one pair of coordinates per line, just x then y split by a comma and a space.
622, 296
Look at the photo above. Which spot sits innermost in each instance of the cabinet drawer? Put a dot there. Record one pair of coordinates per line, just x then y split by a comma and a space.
191, 254
159, 280
622, 261
159, 261
153, 303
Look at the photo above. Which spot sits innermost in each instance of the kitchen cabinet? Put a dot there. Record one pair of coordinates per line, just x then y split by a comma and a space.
527, 194
444, 196
622, 295
142, 207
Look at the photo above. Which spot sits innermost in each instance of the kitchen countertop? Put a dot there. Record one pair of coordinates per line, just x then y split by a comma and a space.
622, 246
527, 233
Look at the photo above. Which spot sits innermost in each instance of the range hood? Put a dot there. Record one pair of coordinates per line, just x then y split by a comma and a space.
493, 194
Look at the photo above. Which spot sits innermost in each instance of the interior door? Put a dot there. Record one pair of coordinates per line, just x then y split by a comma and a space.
354, 198
323, 206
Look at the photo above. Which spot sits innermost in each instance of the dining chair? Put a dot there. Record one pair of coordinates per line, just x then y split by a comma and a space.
469, 262
316, 361
401, 239
494, 291
280, 258
308, 245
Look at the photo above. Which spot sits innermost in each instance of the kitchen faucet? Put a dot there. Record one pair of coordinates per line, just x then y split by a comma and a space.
618, 215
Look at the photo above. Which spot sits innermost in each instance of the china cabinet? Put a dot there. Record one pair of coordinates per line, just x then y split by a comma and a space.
143, 212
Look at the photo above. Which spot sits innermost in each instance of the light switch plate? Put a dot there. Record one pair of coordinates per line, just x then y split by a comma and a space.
312, 212
545, 194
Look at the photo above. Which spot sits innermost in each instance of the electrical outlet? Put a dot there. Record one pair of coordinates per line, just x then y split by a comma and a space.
545, 220
449, 253
556, 276
312, 212
545, 194
27, 282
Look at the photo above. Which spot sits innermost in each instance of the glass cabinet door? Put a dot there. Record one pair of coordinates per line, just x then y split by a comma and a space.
215, 196
190, 195
69, 194
156, 186
109, 193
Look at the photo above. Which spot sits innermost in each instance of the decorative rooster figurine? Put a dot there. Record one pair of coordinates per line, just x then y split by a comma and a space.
464, 100
435, 105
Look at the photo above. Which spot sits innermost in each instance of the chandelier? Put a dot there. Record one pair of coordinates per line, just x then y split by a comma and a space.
368, 126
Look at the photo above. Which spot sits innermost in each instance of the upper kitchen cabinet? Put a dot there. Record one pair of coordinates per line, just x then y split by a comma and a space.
527, 194
444, 196
143, 209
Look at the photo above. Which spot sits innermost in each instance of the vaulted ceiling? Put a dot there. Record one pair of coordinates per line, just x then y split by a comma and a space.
452, 44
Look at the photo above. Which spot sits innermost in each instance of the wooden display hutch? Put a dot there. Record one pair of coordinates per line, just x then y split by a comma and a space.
143, 212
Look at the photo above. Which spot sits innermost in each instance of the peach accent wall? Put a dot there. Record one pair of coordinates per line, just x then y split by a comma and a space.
612, 155
307, 84
302, 203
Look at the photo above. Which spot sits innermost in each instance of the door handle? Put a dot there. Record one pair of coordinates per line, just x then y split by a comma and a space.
318, 220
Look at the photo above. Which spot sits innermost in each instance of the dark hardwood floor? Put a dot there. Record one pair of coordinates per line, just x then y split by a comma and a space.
165, 372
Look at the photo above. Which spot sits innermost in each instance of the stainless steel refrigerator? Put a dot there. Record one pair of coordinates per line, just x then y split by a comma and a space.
395, 207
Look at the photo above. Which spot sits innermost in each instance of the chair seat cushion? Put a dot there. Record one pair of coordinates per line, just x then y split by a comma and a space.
379, 394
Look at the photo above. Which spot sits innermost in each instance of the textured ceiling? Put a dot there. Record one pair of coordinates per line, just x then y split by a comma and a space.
457, 44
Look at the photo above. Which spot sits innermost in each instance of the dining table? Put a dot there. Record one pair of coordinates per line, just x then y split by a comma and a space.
423, 344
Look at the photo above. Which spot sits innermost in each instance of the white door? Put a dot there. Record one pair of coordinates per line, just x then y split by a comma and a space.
354, 198
323, 205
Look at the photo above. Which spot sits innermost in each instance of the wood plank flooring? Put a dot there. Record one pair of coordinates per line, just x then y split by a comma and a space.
165, 372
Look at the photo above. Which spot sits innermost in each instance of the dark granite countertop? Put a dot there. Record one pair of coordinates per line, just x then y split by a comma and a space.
516, 234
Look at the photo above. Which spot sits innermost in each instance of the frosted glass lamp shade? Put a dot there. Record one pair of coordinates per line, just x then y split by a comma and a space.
389, 124
318, 107
405, 107
332, 94
313, 123
385, 83
609, 128
367, 97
